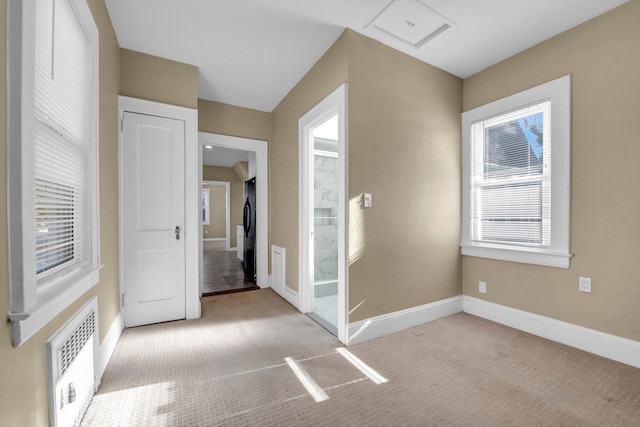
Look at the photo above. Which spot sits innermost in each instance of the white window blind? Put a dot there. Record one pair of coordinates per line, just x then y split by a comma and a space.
511, 178
52, 159
62, 140
516, 177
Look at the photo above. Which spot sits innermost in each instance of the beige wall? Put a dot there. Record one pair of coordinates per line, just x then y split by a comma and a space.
217, 227
241, 170
158, 79
23, 389
224, 119
325, 76
404, 147
218, 173
602, 57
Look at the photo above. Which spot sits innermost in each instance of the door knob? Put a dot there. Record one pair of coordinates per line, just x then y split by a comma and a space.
178, 230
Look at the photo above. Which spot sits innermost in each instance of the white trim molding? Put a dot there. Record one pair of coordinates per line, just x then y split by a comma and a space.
291, 296
379, 326
522, 254
612, 347
108, 346
25, 324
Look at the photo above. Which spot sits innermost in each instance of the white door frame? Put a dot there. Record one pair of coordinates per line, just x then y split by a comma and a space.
262, 195
192, 194
227, 189
335, 103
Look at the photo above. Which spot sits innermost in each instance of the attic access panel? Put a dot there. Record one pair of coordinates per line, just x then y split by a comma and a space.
411, 21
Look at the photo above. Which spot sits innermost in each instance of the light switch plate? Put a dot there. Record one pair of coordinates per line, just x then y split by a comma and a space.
367, 200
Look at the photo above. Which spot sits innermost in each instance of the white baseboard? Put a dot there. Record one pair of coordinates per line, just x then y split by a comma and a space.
375, 327
232, 250
606, 345
291, 296
109, 345
214, 239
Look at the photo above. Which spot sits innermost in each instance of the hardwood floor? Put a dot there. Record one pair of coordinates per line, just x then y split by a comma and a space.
223, 271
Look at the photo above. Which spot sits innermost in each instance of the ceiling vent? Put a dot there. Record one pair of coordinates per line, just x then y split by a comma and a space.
411, 21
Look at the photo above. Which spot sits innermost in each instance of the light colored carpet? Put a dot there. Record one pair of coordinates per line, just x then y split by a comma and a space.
228, 369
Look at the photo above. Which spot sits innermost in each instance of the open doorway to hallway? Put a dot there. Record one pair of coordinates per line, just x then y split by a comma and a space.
234, 210
227, 254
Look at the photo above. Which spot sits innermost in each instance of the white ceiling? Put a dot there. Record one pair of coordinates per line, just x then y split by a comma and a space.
221, 156
251, 53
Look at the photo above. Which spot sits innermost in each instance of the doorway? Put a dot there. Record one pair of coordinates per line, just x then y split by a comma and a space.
158, 268
240, 160
216, 212
323, 217
222, 267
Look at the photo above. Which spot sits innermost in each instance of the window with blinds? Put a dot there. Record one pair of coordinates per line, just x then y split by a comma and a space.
52, 159
510, 177
516, 177
62, 140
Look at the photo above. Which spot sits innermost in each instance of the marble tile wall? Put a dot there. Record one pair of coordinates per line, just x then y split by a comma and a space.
325, 218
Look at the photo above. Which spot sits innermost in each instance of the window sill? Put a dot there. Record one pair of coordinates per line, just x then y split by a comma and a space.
52, 300
523, 255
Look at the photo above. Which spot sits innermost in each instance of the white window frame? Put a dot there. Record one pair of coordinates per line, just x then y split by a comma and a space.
207, 207
33, 305
557, 254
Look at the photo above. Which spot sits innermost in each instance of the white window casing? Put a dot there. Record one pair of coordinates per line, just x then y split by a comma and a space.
516, 177
52, 160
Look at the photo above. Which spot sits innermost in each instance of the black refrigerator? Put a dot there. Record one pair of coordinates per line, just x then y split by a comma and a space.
249, 224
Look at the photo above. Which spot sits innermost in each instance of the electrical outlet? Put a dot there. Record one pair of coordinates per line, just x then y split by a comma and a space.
584, 284
482, 287
206, 231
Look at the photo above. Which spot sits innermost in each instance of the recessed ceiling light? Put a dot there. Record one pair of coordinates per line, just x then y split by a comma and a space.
208, 147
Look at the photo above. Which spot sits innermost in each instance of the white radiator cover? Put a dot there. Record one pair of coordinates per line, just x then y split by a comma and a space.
71, 360
278, 269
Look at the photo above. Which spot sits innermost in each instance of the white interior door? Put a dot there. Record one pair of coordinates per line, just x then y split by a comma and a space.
153, 215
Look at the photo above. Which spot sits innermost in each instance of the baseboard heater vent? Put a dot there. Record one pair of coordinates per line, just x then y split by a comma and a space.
71, 355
